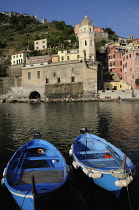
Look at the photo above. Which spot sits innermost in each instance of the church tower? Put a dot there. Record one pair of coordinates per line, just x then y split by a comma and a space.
86, 40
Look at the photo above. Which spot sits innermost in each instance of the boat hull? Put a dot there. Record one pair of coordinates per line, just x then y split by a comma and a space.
37, 169
23, 201
106, 165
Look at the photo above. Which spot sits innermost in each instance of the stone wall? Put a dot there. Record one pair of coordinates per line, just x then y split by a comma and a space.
73, 90
15, 70
6, 84
115, 94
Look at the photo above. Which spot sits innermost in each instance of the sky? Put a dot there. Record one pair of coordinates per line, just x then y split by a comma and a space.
122, 16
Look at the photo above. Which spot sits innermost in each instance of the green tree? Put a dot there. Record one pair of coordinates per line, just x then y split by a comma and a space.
137, 82
112, 34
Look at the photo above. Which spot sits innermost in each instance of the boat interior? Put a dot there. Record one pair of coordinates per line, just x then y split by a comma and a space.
96, 156
46, 169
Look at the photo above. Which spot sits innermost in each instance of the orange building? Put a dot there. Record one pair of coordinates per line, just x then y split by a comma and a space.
114, 58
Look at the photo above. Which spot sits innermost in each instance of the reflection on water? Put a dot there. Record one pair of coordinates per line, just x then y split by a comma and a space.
60, 123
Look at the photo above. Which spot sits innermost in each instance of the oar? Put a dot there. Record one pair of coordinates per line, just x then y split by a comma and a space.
34, 191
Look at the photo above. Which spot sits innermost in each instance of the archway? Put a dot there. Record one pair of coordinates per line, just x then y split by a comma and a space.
34, 95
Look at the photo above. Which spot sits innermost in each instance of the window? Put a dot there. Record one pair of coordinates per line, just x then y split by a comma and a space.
17, 56
68, 58
36, 42
113, 56
43, 46
133, 77
38, 74
120, 62
47, 80
130, 69
120, 86
120, 70
127, 57
73, 79
85, 43
43, 41
130, 55
58, 79
62, 58
29, 75
37, 48
77, 56
137, 54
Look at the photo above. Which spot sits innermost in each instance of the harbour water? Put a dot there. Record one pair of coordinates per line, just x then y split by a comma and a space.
60, 123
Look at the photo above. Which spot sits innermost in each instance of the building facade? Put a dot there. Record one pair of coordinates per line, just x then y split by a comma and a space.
131, 68
58, 80
19, 58
86, 40
40, 44
100, 34
114, 58
66, 55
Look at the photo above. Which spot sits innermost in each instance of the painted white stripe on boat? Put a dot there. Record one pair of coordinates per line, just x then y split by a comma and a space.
20, 195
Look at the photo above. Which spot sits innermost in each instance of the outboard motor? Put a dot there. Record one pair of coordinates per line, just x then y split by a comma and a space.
84, 130
37, 135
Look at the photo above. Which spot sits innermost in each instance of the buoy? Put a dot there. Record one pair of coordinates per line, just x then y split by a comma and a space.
75, 164
70, 152
123, 182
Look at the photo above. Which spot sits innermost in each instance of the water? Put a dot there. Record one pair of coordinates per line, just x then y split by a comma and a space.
60, 123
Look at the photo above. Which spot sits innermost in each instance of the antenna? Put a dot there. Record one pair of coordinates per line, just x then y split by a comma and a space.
36, 13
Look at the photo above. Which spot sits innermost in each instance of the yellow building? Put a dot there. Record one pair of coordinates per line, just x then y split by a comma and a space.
112, 82
66, 55
116, 85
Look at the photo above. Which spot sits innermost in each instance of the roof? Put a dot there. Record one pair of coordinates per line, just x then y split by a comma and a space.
86, 21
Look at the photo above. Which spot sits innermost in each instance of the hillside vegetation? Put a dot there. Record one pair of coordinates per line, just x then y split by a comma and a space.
19, 33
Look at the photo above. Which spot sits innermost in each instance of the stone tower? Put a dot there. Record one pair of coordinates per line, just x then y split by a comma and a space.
86, 40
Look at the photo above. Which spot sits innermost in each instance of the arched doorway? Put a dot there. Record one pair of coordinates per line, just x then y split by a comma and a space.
34, 95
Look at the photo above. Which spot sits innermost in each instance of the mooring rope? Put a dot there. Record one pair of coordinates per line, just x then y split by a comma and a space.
24, 199
129, 198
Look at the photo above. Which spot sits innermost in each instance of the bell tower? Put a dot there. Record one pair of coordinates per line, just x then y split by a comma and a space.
86, 40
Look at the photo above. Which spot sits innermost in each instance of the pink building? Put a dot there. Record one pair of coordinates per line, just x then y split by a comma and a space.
98, 29
131, 68
76, 29
114, 58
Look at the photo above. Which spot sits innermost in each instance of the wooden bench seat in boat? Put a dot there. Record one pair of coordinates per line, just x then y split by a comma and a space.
42, 157
101, 163
90, 152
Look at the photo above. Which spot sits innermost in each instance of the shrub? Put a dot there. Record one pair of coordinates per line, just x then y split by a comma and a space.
137, 82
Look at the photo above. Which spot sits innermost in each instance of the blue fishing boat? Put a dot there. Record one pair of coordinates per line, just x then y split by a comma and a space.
37, 169
102, 162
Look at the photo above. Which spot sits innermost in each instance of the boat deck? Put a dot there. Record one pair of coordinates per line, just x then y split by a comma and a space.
41, 176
